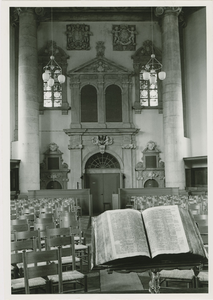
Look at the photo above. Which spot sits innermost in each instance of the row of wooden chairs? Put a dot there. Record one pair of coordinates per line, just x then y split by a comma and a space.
63, 219
45, 205
187, 276
40, 228
144, 202
43, 270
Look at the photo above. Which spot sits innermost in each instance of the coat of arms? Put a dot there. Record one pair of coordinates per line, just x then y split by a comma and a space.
78, 37
124, 37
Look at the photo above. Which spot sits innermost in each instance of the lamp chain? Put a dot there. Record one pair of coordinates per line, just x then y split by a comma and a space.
152, 25
52, 27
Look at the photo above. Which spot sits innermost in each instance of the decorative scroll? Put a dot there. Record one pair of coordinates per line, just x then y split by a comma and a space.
124, 37
77, 146
102, 141
129, 146
78, 37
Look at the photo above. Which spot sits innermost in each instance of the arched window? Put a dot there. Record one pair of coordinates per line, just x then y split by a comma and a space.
52, 94
148, 91
89, 109
102, 161
113, 100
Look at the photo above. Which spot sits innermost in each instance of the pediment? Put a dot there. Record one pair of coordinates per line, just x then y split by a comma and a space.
99, 65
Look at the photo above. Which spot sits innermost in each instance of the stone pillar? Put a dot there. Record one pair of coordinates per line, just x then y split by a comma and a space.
28, 114
172, 98
76, 148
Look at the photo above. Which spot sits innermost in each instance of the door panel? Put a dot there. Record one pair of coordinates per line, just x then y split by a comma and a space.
102, 186
95, 184
111, 185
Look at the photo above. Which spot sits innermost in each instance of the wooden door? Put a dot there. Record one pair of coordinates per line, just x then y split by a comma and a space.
102, 186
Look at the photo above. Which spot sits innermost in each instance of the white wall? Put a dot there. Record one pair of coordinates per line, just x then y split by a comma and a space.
196, 79
53, 123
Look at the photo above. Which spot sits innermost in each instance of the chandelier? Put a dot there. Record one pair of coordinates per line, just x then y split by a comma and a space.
151, 70
152, 67
52, 71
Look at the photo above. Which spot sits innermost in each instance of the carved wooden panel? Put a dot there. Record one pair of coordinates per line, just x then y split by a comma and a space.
53, 169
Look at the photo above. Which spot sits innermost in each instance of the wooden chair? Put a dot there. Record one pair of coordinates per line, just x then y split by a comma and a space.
17, 247
42, 233
30, 219
174, 277
62, 232
23, 236
72, 281
43, 267
82, 250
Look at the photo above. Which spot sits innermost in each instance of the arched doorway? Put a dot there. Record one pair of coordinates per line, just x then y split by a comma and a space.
150, 183
102, 177
54, 185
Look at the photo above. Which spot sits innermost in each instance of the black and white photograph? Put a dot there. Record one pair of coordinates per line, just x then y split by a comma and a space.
106, 159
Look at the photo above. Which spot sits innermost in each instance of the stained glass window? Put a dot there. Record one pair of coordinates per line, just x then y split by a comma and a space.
52, 95
148, 91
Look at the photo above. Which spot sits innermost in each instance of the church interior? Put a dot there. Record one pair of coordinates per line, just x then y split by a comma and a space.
109, 110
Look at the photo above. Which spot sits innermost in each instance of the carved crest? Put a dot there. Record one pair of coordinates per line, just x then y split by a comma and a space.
53, 147
102, 141
151, 146
78, 37
100, 48
124, 37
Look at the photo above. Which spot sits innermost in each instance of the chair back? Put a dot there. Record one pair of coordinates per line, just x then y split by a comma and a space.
53, 232
23, 245
68, 219
21, 227
201, 220
41, 270
195, 208
46, 216
29, 217
18, 222
26, 235
44, 220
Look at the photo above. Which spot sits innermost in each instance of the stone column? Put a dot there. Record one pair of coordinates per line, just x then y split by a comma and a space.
172, 98
28, 114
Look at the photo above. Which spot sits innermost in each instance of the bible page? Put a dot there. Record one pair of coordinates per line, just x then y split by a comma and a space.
165, 230
103, 245
127, 233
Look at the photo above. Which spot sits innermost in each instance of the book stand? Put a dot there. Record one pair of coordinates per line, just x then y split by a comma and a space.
154, 271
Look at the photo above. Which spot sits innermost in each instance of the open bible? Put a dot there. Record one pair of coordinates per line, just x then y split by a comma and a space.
163, 235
